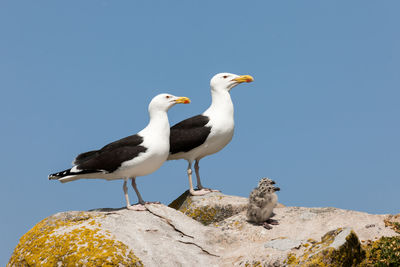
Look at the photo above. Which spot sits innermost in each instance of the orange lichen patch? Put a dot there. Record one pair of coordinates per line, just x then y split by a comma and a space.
72, 240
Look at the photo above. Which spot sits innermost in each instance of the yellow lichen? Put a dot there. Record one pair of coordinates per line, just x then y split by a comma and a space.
291, 260
393, 222
177, 203
205, 210
205, 215
74, 240
321, 254
383, 252
312, 241
253, 264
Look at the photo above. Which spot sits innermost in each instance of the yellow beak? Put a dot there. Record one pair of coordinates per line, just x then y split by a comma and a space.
244, 78
182, 100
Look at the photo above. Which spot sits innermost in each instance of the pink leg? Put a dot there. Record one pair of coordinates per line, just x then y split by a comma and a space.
193, 192
199, 185
138, 207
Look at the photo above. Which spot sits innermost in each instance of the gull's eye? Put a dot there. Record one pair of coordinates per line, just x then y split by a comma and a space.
167, 96
225, 76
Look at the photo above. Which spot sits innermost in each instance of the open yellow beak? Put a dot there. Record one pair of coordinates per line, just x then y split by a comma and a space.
182, 100
244, 78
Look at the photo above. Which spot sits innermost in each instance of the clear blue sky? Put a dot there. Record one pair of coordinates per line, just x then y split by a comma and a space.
322, 117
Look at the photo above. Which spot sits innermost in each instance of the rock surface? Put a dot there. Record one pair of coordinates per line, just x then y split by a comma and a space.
208, 230
210, 208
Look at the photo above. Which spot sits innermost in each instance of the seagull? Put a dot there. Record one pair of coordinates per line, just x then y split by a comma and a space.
207, 133
136, 155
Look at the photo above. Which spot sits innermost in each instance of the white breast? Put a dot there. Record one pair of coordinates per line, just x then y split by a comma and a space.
267, 210
156, 140
221, 134
149, 161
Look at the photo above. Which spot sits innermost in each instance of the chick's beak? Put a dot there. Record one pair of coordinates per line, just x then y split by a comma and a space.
182, 100
244, 78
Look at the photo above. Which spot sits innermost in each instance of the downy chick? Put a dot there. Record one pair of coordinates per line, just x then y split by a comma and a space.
262, 201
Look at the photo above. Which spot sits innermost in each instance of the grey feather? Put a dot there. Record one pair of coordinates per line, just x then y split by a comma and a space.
262, 201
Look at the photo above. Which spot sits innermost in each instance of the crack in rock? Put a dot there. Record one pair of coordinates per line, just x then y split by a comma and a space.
168, 221
170, 224
202, 249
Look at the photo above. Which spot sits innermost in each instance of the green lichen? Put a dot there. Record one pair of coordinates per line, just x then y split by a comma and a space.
312, 241
383, 252
291, 260
386, 250
349, 254
253, 264
201, 211
72, 240
177, 203
204, 214
393, 224
321, 254
237, 225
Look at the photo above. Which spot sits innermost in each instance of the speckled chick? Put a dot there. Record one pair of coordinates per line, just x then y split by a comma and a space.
262, 201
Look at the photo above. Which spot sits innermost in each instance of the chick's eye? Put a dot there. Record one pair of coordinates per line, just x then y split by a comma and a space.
225, 76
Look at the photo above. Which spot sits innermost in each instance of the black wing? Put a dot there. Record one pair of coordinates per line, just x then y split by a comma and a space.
189, 134
111, 156
84, 157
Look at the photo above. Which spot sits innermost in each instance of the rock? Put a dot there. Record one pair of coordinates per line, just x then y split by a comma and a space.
283, 244
250, 244
159, 237
163, 236
71, 238
340, 247
211, 208
385, 250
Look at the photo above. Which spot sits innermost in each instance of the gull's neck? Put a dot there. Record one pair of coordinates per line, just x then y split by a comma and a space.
158, 124
221, 103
